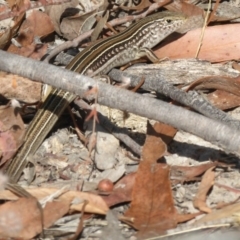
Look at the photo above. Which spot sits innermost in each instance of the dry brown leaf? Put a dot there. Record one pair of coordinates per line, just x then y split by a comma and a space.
182, 218
96, 203
201, 196
223, 100
187, 173
12, 28
10, 32
25, 217
20, 219
122, 191
55, 12
99, 27
166, 132
154, 148
228, 211
4, 38
236, 66
23, 89
71, 26
38, 24
53, 211
12, 132
231, 85
220, 43
152, 208
66, 18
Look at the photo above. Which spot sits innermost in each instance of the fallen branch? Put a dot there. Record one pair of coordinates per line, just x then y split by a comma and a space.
191, 99
208, 129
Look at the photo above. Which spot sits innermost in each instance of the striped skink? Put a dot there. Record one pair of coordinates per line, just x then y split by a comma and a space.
133, 43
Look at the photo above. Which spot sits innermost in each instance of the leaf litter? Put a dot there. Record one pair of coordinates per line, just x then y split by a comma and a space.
154, 192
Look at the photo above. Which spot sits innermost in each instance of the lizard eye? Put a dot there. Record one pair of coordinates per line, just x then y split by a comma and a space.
169, 20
